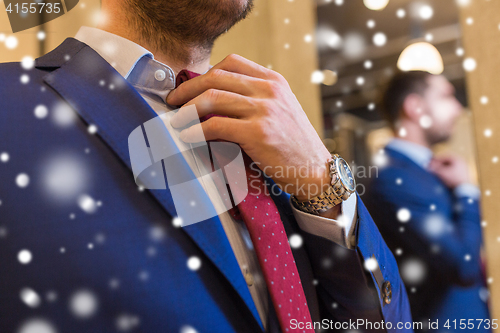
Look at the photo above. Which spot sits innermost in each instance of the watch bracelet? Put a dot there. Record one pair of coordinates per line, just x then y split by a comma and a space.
330, 198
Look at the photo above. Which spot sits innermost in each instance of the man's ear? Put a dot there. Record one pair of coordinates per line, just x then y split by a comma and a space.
413, 107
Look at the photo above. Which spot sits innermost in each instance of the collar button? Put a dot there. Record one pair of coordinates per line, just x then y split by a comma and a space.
160, 75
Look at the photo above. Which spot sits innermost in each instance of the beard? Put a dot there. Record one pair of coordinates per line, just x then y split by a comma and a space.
435, 135
176, 26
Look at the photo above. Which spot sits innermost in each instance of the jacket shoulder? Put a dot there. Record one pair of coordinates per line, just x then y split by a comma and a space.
21, 90
9, 69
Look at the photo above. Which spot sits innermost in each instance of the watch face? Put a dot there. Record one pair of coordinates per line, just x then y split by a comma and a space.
345, 174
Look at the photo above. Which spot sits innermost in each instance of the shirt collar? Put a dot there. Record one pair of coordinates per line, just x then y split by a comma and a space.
419, 154
119, 52
132, 61
152, 77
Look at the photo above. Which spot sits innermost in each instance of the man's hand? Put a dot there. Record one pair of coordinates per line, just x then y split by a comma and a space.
451, 169
263, 116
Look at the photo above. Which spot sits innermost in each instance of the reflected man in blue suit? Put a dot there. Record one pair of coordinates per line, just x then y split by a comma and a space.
425, 206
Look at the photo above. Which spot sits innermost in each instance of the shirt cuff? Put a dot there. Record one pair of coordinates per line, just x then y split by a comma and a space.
467, 190
340, 231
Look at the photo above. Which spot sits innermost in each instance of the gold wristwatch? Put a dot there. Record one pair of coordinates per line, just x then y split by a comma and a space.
341, 188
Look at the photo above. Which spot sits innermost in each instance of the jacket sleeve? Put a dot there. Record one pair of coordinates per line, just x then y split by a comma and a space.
350, 281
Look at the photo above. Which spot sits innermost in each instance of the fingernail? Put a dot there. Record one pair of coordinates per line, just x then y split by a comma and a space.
174, 120
184, 136
192, 134
184, 116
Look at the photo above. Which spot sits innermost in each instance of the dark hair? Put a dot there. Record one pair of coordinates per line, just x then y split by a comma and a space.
399, 87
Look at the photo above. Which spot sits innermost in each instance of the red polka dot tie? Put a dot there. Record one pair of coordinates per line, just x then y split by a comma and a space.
270, 241
263, 222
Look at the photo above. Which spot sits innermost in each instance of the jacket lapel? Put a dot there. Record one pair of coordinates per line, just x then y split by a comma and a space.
102, 97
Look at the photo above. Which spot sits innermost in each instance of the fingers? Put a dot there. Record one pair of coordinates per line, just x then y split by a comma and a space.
448, 161
238, 64
442, 159
216, 128
215, 79
436, 165
447, 157
437, 168
213, 101
234, 73
436, 161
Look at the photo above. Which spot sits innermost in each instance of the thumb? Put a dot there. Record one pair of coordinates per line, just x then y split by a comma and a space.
434, 164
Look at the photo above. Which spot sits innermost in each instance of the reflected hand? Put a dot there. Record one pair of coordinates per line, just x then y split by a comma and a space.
451, 169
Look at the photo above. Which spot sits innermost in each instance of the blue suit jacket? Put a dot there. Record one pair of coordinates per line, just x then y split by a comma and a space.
160, 293
443, 233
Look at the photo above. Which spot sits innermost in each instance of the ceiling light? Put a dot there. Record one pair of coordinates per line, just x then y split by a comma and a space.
421, 56
376, 4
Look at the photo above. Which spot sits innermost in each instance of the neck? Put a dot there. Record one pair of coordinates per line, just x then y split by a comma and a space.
413, 133
195, 59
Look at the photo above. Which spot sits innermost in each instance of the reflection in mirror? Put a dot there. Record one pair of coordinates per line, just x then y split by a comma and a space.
398, 113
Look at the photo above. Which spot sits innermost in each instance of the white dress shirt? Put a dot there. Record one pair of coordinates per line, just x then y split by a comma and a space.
422, 156
154, 80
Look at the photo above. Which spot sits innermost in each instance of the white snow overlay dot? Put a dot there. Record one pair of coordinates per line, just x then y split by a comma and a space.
41, 111
83, 304
403, 215
295, 241
24, 256
22, 180
194, 263
371, 264
30, 297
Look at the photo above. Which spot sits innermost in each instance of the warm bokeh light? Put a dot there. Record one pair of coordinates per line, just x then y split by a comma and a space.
329, 77
376, 4
421, 56
327, 38
326, 77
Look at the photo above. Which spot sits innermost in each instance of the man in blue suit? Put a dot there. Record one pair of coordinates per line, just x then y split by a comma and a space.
84, 249
426, 208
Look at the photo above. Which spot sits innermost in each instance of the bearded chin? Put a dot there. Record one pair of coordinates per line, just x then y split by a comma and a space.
437, 136
171, 25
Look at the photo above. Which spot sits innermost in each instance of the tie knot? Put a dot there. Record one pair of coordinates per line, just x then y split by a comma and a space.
184, 76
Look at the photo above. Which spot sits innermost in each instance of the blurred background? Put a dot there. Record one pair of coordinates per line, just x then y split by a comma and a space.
337, 56
361, 44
